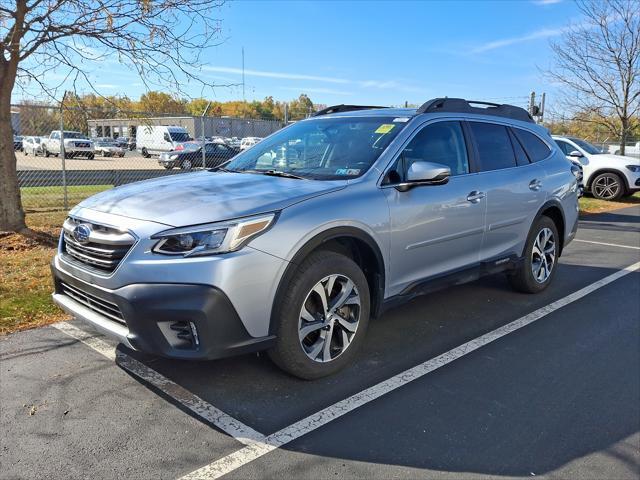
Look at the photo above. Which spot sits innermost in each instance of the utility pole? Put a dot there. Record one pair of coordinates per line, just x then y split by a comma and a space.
204, 158
243, 98
63, 153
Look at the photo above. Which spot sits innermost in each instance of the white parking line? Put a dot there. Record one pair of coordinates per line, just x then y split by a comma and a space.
309, 424
606, 244
233, 427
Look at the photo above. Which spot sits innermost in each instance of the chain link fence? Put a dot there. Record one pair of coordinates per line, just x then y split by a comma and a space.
65, 154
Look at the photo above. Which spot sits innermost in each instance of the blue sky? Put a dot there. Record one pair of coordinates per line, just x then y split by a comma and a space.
376, 52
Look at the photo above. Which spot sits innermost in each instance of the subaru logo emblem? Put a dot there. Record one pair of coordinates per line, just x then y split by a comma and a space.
81, 233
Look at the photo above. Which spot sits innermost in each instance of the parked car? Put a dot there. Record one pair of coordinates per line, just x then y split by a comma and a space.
248, 142
108, 149
17, 143
606, 176
33, 146
190, 155
233, 142
376, 206
153, 140
76, 144
629, 150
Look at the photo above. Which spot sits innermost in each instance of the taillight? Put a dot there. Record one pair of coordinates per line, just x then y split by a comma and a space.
179, 147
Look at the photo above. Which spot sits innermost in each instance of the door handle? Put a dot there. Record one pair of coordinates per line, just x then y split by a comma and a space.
535, 185
475, 196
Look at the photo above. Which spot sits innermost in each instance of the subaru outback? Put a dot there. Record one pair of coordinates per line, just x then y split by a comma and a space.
294, 245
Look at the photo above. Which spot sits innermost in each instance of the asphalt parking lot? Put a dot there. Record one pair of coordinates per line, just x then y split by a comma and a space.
475, 381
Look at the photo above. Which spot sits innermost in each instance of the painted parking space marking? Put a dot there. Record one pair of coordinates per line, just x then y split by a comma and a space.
213, 415
606, 244
307, 425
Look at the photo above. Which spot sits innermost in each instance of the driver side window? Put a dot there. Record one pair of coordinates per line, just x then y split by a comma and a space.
565, 147
441, 142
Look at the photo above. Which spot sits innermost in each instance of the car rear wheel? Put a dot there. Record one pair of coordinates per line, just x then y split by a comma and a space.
322, 317
538, 267
607, 186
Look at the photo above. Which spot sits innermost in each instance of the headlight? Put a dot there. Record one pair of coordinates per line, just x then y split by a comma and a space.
173, 157
634, 168
213, 238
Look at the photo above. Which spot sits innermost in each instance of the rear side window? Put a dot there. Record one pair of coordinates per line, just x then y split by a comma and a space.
494, 146
521, 155
535, 148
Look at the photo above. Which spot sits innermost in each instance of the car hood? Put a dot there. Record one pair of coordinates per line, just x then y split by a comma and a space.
618, 160
202, 197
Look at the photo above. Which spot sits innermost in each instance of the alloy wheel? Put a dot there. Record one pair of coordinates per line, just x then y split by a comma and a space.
606, 187
543, 257
329, 318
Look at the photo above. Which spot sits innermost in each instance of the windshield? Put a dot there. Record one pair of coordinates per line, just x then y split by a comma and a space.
75, 135
180, 136
321, 149
586, 146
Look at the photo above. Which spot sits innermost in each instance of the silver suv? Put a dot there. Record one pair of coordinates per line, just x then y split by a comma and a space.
295, 244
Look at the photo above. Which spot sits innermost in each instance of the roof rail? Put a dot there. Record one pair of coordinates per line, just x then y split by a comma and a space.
460, 105
343, 108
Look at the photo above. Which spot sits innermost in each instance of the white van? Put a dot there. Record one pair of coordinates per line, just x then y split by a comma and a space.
153, 140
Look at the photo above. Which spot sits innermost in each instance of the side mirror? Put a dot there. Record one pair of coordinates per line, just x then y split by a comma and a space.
425, 173
576, 154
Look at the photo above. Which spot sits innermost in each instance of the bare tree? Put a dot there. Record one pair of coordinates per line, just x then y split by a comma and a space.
42, 39
598, 63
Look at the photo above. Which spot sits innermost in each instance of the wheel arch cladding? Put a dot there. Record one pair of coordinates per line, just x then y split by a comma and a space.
351, 242
553, 210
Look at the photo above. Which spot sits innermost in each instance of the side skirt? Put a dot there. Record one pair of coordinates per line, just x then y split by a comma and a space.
450, 279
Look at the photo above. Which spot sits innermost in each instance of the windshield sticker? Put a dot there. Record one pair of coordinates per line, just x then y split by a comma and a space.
348, 171
385, 128
401, 120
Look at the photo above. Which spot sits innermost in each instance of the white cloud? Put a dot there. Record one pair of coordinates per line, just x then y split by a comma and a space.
539, 34
287, 76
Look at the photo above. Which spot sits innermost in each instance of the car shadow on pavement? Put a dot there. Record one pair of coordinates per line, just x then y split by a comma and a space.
528, 405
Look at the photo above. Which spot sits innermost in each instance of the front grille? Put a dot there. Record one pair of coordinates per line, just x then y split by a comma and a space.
82, 145
98, 305
101, 251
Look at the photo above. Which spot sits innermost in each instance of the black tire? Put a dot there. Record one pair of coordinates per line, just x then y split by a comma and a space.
289, 353
186, 164
46, 153
145, 153
608, 186
523, 279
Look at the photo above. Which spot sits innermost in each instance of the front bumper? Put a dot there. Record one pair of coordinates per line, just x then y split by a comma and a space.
185, 321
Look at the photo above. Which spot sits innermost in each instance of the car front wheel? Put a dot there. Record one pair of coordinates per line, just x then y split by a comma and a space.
322, 316
607, 186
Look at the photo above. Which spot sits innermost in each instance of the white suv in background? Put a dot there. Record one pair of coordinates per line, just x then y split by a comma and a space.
606, 176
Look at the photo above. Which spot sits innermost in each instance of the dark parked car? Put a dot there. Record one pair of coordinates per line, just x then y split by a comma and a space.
17, 142
189, 155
